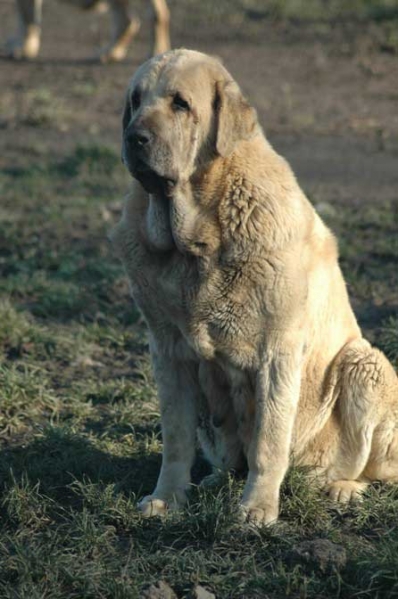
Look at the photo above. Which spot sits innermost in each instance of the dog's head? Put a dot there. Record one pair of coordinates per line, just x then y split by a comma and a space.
182, 110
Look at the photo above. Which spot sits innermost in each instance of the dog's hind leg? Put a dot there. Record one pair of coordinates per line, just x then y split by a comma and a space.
367, 408
383, 461
124, 27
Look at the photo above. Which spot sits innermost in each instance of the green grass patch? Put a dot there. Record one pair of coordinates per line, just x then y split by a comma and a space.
314, 20
80, 426
389, 338
304, 10
368, 245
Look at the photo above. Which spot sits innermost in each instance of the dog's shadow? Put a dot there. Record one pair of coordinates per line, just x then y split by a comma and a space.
58, 458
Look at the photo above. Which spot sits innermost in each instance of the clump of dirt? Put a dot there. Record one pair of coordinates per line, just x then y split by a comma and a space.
319, 554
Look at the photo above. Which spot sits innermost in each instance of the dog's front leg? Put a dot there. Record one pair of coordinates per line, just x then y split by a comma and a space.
179, 396
277, 396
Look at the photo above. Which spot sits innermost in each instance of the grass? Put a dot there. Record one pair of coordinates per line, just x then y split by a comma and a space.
389, 338
40, 108
369, 253
304, 10
316, 19
80, 428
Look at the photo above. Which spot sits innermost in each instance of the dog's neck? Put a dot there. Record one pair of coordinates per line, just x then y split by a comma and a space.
181, 216
157, 224
218, 207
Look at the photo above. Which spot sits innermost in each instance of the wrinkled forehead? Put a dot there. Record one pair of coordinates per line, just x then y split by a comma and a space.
190, 73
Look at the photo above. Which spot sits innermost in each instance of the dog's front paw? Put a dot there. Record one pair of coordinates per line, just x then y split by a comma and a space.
258, 515
151, 505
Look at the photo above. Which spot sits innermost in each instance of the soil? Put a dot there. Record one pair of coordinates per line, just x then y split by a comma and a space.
319, 554
327, 98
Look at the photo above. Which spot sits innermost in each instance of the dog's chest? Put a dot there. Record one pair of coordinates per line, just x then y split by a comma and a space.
212, 315
161, 288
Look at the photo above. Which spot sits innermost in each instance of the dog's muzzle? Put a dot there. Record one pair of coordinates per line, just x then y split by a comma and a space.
136, 155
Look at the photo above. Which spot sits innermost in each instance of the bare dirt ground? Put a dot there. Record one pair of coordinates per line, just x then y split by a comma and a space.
326, 96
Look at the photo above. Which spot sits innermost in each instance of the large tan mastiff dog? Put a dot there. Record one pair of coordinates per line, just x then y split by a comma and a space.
27, 43
254, 344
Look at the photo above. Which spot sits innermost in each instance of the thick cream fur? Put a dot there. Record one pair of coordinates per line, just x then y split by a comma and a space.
254, 343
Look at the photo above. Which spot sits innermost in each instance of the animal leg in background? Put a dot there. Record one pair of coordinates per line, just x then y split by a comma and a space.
27, 43
124, 28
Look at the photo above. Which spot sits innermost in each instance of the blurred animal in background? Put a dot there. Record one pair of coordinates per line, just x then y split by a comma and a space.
27, 43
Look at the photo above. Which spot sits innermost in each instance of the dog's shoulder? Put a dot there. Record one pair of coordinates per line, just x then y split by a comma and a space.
262, 206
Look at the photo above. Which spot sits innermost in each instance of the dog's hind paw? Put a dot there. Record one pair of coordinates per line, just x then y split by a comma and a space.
216, 479
346, 491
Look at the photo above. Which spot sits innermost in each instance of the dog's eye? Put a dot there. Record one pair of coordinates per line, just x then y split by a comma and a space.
180, 104
136, 100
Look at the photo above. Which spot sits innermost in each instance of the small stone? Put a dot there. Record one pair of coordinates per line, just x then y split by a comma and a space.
319, 554
159, 590
87, 362
106, 214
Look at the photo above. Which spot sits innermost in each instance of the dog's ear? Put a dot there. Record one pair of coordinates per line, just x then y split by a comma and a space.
126, 113
236, 120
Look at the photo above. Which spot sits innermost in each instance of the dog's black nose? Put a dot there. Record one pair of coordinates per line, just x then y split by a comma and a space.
138, 138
